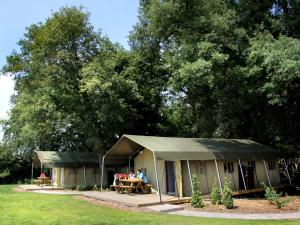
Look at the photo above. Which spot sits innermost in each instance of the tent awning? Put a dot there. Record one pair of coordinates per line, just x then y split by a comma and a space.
65, 159
172, 148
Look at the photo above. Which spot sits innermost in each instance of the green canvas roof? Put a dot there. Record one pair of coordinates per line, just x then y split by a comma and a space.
173, 148
65, 159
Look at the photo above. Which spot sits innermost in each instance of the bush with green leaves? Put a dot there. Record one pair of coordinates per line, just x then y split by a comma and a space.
215, 195
227, 199
275, 198
196, 200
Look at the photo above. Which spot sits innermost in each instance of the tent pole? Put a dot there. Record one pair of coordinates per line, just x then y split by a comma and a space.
84, 175
241, 169
156, 175
31, 173
102, 172
267, 172
190, 175
51, 177
287, 171
220, 184
41, 167
176, 187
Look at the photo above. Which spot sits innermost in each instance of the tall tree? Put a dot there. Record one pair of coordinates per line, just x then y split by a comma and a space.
48, 111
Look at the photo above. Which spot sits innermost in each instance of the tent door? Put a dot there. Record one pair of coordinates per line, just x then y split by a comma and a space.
170, 177
250, 178
248, 172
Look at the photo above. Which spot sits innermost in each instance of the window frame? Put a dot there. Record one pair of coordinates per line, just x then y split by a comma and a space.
229, 167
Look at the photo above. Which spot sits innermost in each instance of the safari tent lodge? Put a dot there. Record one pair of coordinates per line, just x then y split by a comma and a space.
170, 162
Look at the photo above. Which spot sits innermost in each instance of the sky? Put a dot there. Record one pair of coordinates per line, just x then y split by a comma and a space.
115, 18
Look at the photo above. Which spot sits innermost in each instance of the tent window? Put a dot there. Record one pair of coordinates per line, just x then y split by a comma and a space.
228, 167
251, 164
272, 165
200, 166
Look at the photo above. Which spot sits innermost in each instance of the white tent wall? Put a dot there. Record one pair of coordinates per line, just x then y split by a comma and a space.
145, 160
69, 176
207, 175
206, 182
262, 175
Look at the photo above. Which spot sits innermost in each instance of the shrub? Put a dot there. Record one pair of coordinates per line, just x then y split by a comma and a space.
96, 187
227, 195
271, 195
71, 187
215, 195
196, 200
275, 198
280, 203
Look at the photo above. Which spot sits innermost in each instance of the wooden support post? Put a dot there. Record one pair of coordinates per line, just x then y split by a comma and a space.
267, 173
102, 172
219, 179
242, 173
190, 175
287, 171
156, 175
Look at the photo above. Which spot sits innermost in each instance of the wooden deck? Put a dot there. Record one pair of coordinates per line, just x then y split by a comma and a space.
134, 200
257, 190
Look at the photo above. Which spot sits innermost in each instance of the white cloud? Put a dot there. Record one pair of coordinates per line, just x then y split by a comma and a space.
6, 90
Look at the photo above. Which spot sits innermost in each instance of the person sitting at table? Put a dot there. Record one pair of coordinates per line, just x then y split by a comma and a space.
142, 176
43, 175
131, 174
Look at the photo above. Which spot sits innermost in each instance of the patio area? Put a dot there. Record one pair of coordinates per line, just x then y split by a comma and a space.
134, 200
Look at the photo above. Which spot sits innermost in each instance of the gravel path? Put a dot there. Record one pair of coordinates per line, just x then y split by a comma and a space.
264, 216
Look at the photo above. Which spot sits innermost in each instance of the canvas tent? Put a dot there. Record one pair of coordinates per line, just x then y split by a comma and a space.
70, 168
169, 162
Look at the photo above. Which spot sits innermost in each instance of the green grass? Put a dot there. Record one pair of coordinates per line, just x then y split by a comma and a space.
29, 208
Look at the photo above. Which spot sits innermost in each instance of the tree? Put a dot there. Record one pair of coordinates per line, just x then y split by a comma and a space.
49, 106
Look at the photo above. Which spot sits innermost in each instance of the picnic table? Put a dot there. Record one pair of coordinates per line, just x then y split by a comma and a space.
44, 180
128, 185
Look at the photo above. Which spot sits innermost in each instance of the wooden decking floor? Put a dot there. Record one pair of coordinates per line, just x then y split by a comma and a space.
134, 200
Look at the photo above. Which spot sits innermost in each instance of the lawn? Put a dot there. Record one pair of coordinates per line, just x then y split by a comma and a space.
29, 208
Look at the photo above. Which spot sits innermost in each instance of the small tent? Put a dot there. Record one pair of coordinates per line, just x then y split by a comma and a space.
170, 162
70, 168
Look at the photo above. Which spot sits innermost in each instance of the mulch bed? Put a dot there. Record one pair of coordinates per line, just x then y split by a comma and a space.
250, 206
240, 206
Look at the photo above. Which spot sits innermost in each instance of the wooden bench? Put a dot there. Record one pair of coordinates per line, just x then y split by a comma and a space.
116, 187
126, 188
146, 188
122, 188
